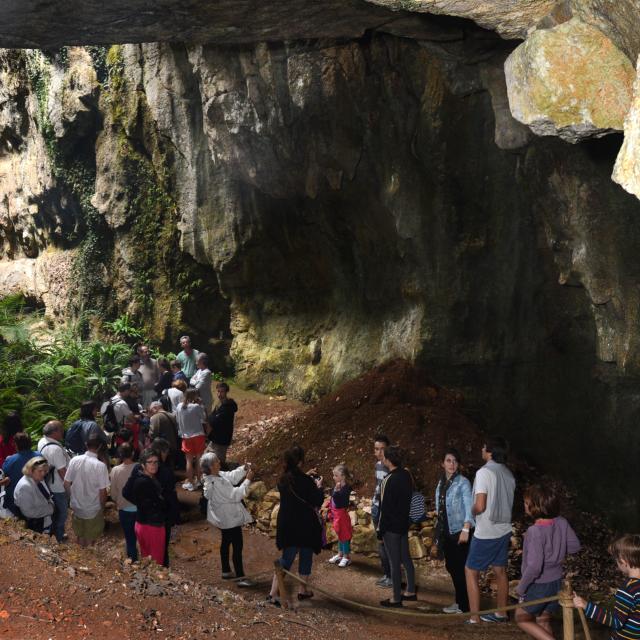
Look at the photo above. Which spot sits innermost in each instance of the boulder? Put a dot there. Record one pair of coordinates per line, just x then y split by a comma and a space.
570, 81
364, 540
417, 549
627, 168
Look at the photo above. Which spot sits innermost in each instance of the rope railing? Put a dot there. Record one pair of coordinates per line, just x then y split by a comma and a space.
564, 597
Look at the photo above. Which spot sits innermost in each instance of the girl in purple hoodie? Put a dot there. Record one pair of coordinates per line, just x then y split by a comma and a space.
546, 544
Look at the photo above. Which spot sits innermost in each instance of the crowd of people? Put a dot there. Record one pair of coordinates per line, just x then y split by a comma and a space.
164, 417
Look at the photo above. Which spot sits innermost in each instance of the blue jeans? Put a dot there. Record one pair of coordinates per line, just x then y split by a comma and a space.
344, 547
305, 559
61, 502
128, 522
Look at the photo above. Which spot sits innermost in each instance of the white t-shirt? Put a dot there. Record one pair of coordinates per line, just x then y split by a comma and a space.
120, 409
487, 482
176, 396
190, 420
57, 457
88, 476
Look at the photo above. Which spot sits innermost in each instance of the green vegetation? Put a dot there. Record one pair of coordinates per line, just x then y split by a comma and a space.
45, 375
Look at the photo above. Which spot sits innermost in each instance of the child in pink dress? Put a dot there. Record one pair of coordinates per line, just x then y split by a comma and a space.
339, 515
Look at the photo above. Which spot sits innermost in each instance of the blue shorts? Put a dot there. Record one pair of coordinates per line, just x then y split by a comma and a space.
542, 590
493, 552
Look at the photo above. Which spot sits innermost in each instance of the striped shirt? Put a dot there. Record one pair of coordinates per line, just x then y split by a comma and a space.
625, 617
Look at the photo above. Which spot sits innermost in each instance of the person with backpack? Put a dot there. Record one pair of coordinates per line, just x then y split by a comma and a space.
75, 440
132, 374
115, 410
396, 492
12, 469
50, 447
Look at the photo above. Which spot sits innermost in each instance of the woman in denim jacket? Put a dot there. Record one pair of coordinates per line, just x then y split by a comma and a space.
454, 526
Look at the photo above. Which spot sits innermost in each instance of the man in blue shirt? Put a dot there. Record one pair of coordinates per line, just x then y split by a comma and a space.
12, 468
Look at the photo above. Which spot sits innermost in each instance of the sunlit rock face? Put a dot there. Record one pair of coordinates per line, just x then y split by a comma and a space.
556, 87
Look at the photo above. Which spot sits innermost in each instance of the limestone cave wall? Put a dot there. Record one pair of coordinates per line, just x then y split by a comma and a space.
310, 208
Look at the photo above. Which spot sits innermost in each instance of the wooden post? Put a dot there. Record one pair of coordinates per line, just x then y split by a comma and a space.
282, 588
566, 602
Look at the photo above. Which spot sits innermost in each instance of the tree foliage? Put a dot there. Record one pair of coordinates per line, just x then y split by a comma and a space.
46, 375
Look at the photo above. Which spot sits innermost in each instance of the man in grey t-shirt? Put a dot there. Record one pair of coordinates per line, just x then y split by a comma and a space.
493, 491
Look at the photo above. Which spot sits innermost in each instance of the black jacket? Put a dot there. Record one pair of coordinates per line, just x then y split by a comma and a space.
167, 481
221, 421
395, 502
166, 379
146, 494
298, 524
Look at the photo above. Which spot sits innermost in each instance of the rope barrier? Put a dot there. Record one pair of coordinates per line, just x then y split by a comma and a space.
413, 612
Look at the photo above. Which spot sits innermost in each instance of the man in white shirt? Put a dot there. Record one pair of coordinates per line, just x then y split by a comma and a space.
87, 479
493, 491
51, 449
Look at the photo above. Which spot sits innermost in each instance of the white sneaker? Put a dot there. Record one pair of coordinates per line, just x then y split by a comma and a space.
335, 559
188, 486
452, 608
345, 562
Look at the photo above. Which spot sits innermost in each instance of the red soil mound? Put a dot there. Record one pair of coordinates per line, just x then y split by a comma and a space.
395, 398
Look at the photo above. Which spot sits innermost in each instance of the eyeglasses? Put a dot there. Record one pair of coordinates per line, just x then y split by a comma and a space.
39, 463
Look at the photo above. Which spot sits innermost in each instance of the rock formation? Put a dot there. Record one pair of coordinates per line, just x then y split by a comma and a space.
556, 89
310, 208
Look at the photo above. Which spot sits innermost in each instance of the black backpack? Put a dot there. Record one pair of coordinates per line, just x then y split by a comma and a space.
165, 401
74, 438
109, 418
49, 478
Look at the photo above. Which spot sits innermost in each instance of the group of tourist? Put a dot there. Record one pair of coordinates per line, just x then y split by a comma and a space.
164, 409
148, 424
473, 534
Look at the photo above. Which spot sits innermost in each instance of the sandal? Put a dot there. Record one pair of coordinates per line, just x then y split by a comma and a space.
274, 601
305, 596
